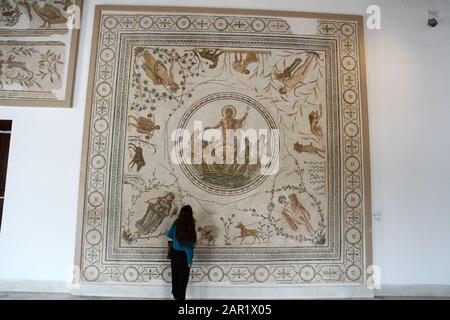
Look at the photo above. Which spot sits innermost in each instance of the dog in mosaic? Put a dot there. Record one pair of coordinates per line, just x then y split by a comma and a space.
245, 232
208, 233
308, 148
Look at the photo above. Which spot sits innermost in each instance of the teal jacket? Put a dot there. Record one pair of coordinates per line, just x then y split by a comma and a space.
177, 245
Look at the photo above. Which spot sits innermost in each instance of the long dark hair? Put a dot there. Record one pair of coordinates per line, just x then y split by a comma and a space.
185, 226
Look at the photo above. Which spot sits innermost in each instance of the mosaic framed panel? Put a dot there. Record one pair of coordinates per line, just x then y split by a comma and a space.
155, 70
38, 51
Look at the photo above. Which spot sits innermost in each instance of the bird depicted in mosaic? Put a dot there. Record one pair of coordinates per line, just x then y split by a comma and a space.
49, 14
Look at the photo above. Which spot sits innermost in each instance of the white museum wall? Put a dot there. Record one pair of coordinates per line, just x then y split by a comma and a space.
409, 110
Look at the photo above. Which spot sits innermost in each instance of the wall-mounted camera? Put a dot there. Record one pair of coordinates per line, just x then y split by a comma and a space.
433, 18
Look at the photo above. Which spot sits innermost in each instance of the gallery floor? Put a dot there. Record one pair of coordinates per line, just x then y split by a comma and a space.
66, 296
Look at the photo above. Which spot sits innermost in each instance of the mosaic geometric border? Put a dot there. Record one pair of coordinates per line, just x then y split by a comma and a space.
356, 236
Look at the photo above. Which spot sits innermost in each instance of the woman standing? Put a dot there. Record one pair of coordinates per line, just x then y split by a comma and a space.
183, 235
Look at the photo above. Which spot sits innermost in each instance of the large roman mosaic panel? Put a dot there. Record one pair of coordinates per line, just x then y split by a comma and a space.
154, 71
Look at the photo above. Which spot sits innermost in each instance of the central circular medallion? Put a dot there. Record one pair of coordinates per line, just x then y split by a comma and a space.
227, 113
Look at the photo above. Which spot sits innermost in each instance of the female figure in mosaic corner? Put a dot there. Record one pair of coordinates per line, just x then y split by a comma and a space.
156, 212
